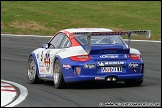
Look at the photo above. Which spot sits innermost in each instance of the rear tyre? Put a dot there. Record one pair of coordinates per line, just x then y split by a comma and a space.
133, 82
32, 72
58, 78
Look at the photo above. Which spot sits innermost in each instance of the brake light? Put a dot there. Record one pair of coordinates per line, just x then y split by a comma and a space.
80, 58
135, 56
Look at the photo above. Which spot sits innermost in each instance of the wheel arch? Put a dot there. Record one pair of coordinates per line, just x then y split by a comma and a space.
34, 57
61, 61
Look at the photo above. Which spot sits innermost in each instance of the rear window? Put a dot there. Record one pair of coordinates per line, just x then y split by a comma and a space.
114, 39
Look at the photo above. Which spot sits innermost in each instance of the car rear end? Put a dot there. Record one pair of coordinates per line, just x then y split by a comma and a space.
105, 61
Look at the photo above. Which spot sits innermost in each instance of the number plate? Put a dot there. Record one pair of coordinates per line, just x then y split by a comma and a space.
111, 69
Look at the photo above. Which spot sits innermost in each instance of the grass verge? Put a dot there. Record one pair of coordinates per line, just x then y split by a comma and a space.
48, 17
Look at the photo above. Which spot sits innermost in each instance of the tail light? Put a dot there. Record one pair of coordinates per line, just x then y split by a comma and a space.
80, 58
135, 56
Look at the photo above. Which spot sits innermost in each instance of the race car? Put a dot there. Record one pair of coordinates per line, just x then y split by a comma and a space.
87, 54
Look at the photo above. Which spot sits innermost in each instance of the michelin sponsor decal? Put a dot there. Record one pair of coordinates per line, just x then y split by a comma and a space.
106, 63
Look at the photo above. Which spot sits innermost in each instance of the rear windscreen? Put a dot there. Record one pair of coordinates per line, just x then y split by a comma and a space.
114, 39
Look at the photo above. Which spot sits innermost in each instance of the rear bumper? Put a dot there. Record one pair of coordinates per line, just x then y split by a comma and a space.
81, 78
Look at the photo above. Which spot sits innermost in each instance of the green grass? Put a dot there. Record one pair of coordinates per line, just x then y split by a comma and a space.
48, 17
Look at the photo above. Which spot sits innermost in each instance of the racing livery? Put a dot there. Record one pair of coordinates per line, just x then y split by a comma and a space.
84, 54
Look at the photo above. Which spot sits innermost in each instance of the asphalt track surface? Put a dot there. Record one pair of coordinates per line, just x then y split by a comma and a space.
14, 56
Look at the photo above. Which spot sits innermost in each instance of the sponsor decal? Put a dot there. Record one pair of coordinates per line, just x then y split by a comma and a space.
79, 33
42, 75
99, 78
42, 56
134, 70
125, 55
89, 66
42, 69
66, 66
133, 65
78, 70
109, 33
37, 55
139, 32
47, 60
111, 69
109, 56
100, 64
41, 64
104, 63
60, 51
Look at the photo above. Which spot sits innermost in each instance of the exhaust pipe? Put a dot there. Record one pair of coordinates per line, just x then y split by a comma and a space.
111, 78
114, 79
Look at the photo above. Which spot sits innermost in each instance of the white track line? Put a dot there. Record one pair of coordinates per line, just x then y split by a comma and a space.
51, 36
22, 96
143, 40
8, 93
24, 35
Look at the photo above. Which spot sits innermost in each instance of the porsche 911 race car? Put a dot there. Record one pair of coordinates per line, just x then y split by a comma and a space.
87, 54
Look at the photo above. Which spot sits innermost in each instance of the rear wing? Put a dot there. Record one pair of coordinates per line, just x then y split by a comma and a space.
129, 33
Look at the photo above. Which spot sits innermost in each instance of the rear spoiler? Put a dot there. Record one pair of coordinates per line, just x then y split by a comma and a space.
122, 33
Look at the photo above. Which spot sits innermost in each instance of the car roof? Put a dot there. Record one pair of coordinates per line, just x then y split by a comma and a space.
71, 30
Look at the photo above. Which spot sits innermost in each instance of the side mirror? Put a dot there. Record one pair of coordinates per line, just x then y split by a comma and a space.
45, 45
